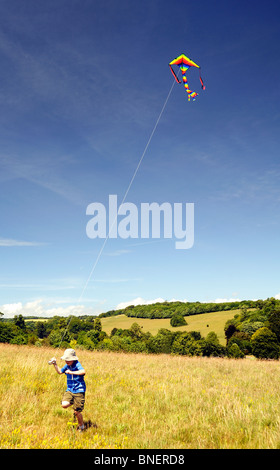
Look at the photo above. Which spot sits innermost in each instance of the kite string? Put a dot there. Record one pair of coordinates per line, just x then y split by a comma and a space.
127, 191
123, 200
149, 141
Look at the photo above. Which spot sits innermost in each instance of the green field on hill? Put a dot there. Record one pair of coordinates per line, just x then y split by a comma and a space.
204, 323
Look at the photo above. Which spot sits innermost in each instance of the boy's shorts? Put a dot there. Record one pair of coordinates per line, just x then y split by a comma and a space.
75, 399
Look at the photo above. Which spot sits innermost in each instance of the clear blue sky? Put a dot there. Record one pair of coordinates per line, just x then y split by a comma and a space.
82, 84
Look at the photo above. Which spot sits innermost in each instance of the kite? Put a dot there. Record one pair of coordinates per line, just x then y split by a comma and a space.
185, 63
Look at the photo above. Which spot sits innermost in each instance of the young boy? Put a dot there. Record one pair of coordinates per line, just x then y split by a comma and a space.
76, 387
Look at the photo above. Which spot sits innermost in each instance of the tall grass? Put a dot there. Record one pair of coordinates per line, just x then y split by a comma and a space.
140, 401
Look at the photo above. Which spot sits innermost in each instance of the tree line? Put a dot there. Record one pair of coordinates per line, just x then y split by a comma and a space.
168, 309
251, 331
257, 331
88, 334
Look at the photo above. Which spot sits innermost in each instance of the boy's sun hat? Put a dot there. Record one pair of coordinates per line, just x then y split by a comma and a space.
69, 355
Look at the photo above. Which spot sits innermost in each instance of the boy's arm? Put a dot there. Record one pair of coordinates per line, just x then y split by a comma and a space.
58, 370
76, 372
53, 361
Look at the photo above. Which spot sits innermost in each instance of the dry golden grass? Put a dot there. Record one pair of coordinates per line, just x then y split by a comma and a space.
140, 402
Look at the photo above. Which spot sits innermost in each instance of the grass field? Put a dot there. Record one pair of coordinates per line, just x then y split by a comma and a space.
140, 402
204, 323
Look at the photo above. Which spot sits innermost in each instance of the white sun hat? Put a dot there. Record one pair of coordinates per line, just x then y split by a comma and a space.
69, 355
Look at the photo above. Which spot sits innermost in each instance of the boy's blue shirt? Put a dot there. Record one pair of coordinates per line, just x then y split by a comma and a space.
75, 383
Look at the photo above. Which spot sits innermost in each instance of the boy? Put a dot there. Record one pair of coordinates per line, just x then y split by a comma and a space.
76, 387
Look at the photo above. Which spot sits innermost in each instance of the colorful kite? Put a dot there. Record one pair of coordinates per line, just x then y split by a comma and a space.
185, 63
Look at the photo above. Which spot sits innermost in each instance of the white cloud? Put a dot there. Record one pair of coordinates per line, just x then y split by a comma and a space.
30, 308
11, 309
277, 296
39, 309
10, 242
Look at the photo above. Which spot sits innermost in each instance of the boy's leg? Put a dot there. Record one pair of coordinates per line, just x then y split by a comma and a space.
78, 408
67, 400
79, 418
65, 404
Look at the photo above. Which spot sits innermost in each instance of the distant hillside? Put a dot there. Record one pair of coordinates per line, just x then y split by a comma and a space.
167, 309
251, 327
204, 323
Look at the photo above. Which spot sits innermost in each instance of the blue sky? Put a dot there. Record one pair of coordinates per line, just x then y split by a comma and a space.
82, 84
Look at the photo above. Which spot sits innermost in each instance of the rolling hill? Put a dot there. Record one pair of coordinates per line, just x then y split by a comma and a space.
204, 323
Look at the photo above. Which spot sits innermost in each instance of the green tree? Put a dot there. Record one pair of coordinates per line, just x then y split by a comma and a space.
162, 342
84, 340
41, 329
177, 319
242, 339
212, 338
211, 346
264, 344
274, 321
94, 336
55, 338
97, 325
8, 332
19, 339
251, 327
135, 331
234, 351
185, 344
19, 321
230, 329
75, 325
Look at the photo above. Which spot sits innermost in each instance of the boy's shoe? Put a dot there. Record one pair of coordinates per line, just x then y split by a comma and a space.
87, 424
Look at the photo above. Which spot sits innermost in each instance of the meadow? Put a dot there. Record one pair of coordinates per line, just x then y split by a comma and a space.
204, 323
140, 401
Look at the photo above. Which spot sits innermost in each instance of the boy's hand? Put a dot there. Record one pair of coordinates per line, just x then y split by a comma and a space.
53, 361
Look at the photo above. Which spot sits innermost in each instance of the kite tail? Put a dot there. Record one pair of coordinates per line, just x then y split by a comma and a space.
191, 94
201, 81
